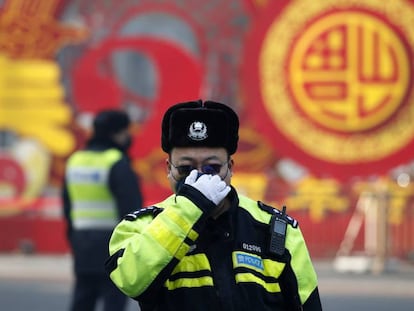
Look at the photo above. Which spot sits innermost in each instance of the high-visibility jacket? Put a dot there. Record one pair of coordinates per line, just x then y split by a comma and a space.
173, 256
93, 205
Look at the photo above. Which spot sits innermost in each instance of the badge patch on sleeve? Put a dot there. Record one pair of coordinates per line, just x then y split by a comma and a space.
241, 259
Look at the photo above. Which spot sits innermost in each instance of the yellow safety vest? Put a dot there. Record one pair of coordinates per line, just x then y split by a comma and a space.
87, 174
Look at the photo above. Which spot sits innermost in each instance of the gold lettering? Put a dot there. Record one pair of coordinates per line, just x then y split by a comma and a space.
318, 196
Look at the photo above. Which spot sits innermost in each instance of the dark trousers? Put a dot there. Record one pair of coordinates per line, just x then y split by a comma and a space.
89, 288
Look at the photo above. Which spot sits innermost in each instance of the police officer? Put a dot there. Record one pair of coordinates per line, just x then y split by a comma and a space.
100, 187
206, 247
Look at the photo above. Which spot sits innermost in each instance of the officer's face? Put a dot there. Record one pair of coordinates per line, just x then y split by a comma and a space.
213, 161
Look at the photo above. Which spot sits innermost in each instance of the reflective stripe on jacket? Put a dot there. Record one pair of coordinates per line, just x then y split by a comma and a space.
176, 258
93, 206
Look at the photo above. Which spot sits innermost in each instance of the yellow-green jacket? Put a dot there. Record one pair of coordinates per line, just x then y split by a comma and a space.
172, 256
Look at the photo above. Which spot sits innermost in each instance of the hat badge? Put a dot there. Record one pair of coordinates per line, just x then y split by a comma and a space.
197, 131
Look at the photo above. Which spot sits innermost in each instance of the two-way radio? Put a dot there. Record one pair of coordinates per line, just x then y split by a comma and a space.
278, 226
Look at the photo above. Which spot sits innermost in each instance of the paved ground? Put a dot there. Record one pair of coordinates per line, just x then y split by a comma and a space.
34, 282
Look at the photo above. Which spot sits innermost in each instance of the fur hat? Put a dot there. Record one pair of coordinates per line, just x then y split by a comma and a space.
200, 124
109, 122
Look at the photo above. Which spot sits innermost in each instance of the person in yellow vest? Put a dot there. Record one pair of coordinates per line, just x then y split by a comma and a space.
207, 247
100, 187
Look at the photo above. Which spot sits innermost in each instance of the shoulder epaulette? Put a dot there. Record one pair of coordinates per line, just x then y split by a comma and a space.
143, 211
271, 210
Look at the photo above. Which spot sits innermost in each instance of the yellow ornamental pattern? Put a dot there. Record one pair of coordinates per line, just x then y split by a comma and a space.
349, 71
376, 126
319, 196
28, 29
32, 103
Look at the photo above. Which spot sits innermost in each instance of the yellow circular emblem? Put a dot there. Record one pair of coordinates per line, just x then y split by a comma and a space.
349, 71
336, 77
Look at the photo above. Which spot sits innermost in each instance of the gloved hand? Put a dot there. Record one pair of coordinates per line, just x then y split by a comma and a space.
211, 186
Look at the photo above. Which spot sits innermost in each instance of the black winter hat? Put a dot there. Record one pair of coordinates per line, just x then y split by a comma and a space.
109, 122
200, 124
